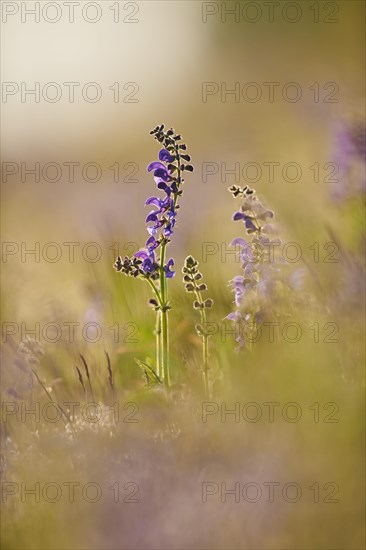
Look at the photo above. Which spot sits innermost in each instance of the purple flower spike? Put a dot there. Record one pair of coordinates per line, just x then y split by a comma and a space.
169, 274
160, 221
165, 156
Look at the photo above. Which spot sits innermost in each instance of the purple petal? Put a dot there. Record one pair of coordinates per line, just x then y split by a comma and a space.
249, 224
162, 173
238, 216
165, 155
247, 254
266, 214
168, 231
169, 274
155, 166
153, 200
168, 202
141, 254
147, 265
164, 186
151, 242
238, 241
235, 316
268, 228
152, 217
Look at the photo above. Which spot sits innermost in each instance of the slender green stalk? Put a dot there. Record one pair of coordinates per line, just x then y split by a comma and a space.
204, 346
157, 293
165, 335
158, 344
50, 397
191, 276
165, 366
88, 376
145, 264
164, 320
158, 331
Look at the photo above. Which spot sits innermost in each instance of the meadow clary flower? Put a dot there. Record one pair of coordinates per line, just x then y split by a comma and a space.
265, 273
252, 287
150, 262
161, 220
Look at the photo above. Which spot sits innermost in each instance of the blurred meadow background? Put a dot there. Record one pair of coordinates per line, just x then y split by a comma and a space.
169, 53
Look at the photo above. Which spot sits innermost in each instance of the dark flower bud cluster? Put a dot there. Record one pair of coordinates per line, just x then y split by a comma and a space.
252, 212
171, 142
133, 267
192, 278
193, 283
237, 191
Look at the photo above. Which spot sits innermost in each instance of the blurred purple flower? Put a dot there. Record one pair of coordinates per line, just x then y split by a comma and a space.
349, 151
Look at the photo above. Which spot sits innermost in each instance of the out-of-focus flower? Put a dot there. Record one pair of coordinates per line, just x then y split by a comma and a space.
262, 276
349, 157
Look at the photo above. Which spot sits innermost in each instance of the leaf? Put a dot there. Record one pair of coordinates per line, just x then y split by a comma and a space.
150, 370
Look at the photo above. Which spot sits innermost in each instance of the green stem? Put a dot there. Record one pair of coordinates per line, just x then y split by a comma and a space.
206, 382
164, 319
153, 286
158, 344
165, 335
159, 355
205, 366
162, 325
205, 355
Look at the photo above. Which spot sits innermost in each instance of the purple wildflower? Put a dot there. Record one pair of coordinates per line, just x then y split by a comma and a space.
257, 286
252, 214
161, 221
